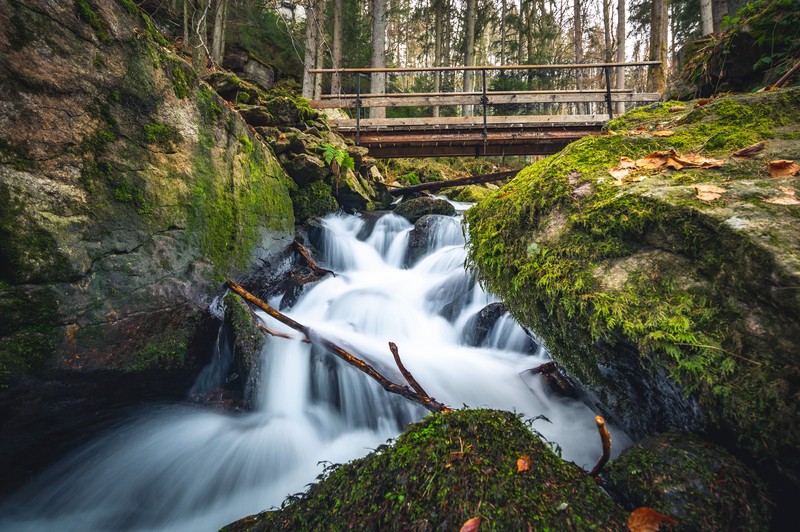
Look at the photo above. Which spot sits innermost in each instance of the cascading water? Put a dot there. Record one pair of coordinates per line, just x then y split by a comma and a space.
179, 467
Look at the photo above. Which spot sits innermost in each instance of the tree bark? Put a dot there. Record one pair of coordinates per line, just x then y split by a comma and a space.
437, 49
657, 76
309, 59
336, 59
378, 79
720, 12
620, 82
706, 17
218, 40
469, 51
319, 55
199, 35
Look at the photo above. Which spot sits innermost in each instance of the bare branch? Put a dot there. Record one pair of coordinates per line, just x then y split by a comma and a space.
605, 437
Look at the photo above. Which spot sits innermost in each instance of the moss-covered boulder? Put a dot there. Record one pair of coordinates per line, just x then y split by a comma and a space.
128, 190
674, 308
700, 485
314, 199
246, 343
414, 209
444, 471
469, 193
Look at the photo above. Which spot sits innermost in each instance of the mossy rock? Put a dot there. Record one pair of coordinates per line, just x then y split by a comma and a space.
414, 209
469, 193
700, 485
697, 296
247, 341
313, 200
444, 471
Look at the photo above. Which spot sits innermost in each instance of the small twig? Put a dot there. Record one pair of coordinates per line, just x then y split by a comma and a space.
605, 437
266, 330
781, 82
720, 349
306, 254
423, 400
408, 376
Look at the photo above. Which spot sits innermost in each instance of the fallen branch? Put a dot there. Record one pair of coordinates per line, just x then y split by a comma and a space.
306, 254
605, 437
554, 379
421, 399
437, 185
407, 374
781, 82
263, 328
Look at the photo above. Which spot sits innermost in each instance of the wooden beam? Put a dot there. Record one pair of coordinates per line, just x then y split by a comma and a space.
472, 121
438, 185
475, 93
563, 66
429, 101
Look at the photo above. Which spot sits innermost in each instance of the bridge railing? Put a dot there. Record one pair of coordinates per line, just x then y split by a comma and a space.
595, 76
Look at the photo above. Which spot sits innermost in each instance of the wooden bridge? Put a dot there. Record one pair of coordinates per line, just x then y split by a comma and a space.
545, 120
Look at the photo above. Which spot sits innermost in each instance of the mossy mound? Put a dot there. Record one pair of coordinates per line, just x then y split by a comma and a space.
650, 296
469, 193
700, 485
443, 471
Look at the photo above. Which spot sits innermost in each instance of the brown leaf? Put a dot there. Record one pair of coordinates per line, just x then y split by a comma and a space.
663, 133
783, 200
647, 520
677, 108
653, 161
782, 168
471, 525
694, 160
750, 151
523, 463
626, 166
708, 192
703, 101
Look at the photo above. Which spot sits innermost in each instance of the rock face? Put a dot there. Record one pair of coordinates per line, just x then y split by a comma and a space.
414, 209
700, 485
675, 309
128, 190
445, 471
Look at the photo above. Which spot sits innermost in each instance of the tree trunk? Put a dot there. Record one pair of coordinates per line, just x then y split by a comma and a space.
309, 59
706, 17
620, 51
199, 36
437, 50
577, 26
720, 12
609, 46
378, 79
218, 41
469, 51
319, 55
338, 15
657, 76
187, 22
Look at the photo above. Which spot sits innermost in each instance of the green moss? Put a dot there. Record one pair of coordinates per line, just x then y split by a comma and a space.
165, 351
314, 199
134, 11
444, 471
86, 11
183, 78
699, 485
469, 193
651, 263
162, 135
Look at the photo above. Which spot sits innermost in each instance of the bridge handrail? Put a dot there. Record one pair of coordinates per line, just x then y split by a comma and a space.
563, 66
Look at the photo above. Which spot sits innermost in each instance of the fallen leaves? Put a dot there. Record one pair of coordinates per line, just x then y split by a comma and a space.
783, 168
789, 197
660, 160
677, 108
471, 525
708, 192
663, 133
647, 520
523, 463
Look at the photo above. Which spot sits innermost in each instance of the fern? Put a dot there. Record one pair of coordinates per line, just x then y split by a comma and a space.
337, 158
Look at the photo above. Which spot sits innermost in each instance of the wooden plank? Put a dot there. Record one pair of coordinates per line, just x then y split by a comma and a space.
428, 101
473, 121
563, 66
473, 93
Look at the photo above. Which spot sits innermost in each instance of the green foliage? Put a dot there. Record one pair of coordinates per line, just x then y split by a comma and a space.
165, 351
337, 158
773, 24
443, 471
86, 11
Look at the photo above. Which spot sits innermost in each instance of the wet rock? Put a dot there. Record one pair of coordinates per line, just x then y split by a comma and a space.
257, 72
246, 342
256, 115
305, 169
416, 208
479, 325
448, 298
700, 485
423, 236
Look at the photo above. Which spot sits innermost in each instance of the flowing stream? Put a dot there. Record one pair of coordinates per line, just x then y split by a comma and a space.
186, 467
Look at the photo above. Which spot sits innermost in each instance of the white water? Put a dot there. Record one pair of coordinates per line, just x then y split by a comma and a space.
179, 467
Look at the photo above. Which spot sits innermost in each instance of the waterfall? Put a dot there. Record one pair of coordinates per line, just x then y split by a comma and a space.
186, 467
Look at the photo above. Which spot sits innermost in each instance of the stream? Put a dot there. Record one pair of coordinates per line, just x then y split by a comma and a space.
190, 467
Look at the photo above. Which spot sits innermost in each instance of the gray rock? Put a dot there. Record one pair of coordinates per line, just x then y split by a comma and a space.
414, 209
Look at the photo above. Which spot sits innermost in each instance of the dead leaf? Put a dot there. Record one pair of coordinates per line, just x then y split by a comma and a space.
647, 520
663, 133
677, 108
693, 160
782, 168
472, 525
787, 190
708, 192
653, 160
703, 101
626, 166
523, 463
788, 198
750, 151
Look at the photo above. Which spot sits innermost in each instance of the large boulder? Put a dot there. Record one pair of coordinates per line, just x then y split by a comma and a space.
444, 471
416, 208
670, 295
128, 191
694, 482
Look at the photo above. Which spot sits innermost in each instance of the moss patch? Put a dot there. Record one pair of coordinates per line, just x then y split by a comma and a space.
443, 471
314, 199
690, 283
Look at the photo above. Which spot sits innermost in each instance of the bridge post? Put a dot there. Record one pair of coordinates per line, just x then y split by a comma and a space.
484, 103
608, 93
358, 109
